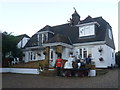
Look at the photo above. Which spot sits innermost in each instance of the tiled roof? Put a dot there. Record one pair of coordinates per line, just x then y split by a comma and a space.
60, 38
70, 34
87, 20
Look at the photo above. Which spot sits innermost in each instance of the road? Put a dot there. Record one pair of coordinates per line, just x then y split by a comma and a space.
109, 80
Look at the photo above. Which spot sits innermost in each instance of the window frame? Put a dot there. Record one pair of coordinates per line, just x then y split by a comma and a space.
110, 33
88, 30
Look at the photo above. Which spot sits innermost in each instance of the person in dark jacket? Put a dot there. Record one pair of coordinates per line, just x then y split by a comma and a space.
88, 59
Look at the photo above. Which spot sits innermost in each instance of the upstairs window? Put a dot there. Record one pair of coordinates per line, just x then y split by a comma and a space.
86, 30
42, 38
110, 33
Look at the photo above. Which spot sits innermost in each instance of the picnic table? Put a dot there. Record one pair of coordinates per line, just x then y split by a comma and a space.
75, 72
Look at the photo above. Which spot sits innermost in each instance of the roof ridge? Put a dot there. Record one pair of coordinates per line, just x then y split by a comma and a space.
61, 25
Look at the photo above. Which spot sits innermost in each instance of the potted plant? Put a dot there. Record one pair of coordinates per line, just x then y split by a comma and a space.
100, 49
101, 59
38, 54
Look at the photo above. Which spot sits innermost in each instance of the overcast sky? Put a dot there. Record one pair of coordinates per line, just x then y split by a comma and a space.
29, 16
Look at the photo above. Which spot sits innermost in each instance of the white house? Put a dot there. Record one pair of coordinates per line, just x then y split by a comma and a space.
89, 36
22, 40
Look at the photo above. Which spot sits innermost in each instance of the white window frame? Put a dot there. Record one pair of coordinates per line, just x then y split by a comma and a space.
110, 33
86, 30
88, 50
44, 35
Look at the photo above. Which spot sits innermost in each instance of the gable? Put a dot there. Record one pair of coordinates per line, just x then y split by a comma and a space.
20, 37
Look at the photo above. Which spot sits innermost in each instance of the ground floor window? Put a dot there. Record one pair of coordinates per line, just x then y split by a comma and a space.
31, 56
34, 55
84, 52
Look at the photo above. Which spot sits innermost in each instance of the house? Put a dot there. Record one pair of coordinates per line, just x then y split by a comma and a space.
89, 36
13, 55
22, 40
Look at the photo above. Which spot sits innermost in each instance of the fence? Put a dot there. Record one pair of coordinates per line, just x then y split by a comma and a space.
20, 70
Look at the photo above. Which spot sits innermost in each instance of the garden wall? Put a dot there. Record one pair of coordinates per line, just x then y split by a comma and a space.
19, 70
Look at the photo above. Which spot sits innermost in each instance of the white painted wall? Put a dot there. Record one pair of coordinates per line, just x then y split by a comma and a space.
106, 54
96, 55
27, 57
23, 42
65, 54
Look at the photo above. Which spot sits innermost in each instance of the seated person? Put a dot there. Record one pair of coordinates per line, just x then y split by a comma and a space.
88, 59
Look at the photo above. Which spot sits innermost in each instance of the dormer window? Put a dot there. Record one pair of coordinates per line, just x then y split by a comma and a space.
110, 33
86, 30
44, 37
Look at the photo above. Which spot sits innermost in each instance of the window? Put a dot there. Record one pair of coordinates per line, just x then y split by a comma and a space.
31, 56
86, 30
90, 51
110, 33
39, 39
84, 52
44, 37
34, 55
112, 55
80, 52
51, 54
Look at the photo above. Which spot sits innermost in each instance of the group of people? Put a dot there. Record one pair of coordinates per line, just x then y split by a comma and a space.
74, 62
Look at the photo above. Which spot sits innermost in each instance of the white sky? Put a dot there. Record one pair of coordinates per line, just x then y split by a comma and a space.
29, 16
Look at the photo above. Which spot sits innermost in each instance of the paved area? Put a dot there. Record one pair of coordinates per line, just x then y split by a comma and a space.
109, 80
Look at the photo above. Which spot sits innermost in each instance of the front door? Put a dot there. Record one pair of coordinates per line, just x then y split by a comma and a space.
53, 57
